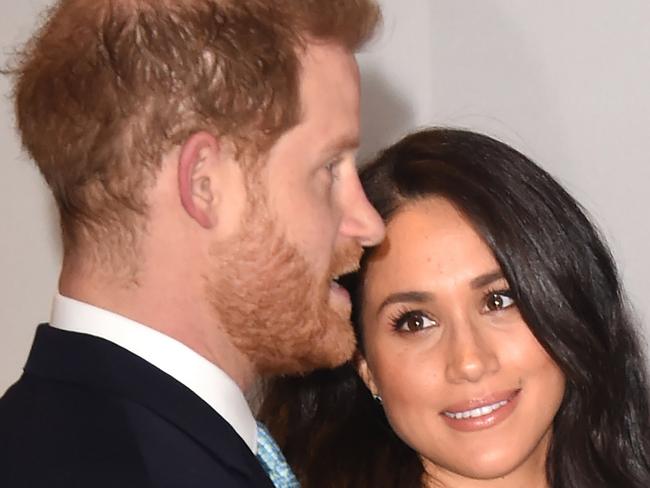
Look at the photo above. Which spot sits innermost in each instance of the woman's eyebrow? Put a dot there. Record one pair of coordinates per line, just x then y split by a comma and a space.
486, 279
406, 296
425, 296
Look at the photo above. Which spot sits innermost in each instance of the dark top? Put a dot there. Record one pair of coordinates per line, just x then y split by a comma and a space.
88, 413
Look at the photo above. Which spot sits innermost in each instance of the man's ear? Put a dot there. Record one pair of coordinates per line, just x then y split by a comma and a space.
197, 178
365, 374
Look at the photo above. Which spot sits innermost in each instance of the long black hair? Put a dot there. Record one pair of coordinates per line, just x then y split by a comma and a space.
567, 289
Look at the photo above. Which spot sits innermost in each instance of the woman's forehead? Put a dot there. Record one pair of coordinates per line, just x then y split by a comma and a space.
427, 241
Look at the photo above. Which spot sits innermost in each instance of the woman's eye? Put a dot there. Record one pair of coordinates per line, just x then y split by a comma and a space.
499, 300
414, 321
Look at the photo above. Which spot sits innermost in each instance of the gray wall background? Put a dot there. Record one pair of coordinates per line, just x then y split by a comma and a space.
566, 82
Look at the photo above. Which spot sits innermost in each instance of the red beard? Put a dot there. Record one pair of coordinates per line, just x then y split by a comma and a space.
271, 304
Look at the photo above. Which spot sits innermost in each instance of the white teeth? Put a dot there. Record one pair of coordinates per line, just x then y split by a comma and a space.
476, 412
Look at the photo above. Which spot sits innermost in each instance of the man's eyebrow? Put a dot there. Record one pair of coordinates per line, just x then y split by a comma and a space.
406, 296
486, 279
343, 143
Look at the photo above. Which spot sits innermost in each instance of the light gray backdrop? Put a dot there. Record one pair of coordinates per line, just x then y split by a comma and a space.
567, 82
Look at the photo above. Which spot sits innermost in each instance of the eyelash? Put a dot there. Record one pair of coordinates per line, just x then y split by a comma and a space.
331, 166
397, 319
505, 292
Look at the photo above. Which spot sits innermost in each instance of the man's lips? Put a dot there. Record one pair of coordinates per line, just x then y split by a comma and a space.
479, 407
344, 270
345, 261
337, 289
334, 284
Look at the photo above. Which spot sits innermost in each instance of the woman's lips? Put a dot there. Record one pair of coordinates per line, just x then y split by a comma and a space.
481, 413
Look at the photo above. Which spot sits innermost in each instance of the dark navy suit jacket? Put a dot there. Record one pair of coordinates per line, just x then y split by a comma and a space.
88, 413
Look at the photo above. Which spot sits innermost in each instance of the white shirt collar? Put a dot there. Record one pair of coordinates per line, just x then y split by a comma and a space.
188, 367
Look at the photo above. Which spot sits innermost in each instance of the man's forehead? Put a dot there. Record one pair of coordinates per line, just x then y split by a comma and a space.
328, 65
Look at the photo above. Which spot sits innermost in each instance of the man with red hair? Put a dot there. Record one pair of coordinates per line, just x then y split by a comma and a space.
202, 157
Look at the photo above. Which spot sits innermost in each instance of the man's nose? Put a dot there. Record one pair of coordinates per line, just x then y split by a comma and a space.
360, 219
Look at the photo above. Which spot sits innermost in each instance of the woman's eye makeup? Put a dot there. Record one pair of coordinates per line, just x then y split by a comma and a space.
409, 320
412, 321
496, 300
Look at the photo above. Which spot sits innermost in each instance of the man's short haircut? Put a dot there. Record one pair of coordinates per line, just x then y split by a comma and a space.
106, 87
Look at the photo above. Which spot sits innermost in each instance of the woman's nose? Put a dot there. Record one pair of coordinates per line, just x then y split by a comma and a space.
470, 356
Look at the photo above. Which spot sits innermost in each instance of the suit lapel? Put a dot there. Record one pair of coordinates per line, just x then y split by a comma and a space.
98, 364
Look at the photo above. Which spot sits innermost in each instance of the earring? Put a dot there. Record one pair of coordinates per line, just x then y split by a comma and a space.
377, 398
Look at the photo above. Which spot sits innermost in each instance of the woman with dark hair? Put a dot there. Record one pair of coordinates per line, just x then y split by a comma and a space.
494, 345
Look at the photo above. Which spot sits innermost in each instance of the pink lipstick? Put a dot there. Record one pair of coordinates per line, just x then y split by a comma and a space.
481, 413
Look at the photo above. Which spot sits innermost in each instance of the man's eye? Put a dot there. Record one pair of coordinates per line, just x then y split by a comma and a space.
498, 300
333, 165
413, 321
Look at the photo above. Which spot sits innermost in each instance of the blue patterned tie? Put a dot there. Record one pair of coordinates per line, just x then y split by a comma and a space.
273, 461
